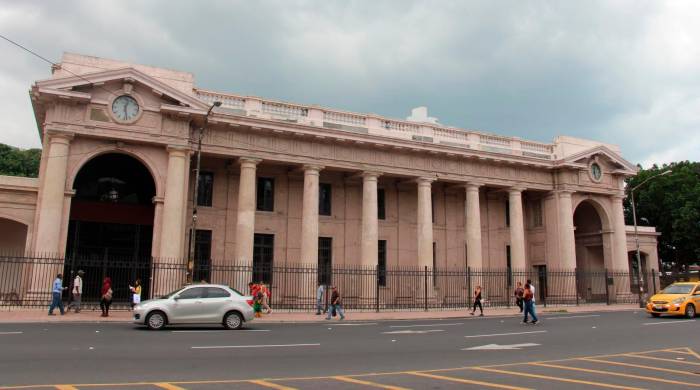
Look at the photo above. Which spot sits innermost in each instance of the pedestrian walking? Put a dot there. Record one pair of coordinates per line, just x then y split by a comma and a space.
477, 302
135, 293
320, 293
532, 288
529, 300
266, 294
77, 292
336, 305
106, 296
519, 292
253, 289
56, 295
257, 303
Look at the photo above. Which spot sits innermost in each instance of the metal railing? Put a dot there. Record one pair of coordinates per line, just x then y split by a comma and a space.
27, 280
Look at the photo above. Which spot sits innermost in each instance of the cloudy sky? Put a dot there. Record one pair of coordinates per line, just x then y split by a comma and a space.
622, 72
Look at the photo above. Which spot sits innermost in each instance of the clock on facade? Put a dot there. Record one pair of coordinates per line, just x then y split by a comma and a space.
596, 172
125, 108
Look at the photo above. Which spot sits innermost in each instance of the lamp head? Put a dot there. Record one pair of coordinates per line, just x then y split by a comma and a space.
217, 104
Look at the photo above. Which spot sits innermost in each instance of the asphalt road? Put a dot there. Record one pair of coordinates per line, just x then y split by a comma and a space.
470, 352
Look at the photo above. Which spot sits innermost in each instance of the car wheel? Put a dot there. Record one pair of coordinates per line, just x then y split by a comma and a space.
690, 311
233, 320
156, 320
655, 315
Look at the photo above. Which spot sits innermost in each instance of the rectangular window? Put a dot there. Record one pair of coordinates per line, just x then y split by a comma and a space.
381, 263
324, 199
508, 266
325, 260
263, 257
205, 189
381, 208
434, 264
536, 213
266, 194
202, 255
507, 213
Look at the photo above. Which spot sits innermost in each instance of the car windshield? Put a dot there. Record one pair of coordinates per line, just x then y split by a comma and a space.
170, 294
678, 289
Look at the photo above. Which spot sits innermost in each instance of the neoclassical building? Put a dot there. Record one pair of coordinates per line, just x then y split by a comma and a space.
286, 183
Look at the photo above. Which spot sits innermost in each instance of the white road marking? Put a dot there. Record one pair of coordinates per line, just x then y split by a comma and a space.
11, 332
425, 325
494, 347
255, 346
219, 331
667, 323
567, 317
414, 331
505, 334
356, 324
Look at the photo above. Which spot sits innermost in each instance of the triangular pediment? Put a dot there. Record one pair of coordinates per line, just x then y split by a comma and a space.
132, 75
602, 153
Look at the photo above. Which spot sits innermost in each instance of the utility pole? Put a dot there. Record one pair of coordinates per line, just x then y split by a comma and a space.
195, 194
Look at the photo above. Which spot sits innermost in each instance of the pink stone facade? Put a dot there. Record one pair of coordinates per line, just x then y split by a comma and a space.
472, 194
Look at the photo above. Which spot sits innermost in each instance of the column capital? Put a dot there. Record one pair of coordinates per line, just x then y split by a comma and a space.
424, 181
472, 185
370, 174
249, 161
310, 168
516, 190
57, 136
618, 197
564, 193
177, 149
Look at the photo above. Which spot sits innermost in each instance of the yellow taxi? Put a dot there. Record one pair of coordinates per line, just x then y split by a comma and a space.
678, 299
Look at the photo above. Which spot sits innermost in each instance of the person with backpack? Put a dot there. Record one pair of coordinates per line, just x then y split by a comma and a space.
56, 292
519, 292
336, 304
106, 296
77, 292
529, 300
477, 302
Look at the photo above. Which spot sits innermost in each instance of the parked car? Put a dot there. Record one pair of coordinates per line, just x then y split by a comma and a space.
678, 299
196, 304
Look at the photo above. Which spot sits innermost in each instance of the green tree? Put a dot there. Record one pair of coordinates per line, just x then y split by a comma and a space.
19, 162
672, 204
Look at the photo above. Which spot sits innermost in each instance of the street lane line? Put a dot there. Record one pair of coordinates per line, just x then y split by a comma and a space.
271, 385
693, 353
646, 378
639, 366
219, 331
355, 324
168, 386
11, 332
255, 346
567, 317
635, 355
467, 381
66, 387
667, 323
505, 334
414, 331
367, 383
555, 378
425, 325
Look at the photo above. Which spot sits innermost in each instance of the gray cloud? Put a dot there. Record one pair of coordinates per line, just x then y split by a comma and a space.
622, 72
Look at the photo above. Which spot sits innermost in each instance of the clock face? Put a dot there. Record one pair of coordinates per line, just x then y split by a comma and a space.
596, 172
125, 108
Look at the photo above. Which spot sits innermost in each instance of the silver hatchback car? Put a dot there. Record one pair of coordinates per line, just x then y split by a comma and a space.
196, 304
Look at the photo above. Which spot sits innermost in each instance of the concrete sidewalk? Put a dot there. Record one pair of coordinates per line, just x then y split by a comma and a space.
20, 315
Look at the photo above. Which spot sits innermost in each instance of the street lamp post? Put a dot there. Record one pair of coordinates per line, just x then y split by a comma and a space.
636, 235
195, 195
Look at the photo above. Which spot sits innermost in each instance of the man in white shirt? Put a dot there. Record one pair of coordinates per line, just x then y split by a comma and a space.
77, 292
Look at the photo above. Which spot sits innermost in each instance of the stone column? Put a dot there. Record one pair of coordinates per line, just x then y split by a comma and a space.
425, 223
309, 215
173, 227
245, 220
620, 261
567, 242
517, 229
370, 220
48, 236
472, 229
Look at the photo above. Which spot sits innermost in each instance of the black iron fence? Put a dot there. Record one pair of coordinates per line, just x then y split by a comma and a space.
27, 281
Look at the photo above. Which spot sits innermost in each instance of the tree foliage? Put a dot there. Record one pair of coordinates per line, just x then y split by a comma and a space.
19, 162
672, 204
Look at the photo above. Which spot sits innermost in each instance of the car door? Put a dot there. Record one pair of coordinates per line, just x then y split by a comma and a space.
696, 298
215, 304
188, 305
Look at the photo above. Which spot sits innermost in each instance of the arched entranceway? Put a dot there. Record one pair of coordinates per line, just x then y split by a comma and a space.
590, 254
13, 240
111, 225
